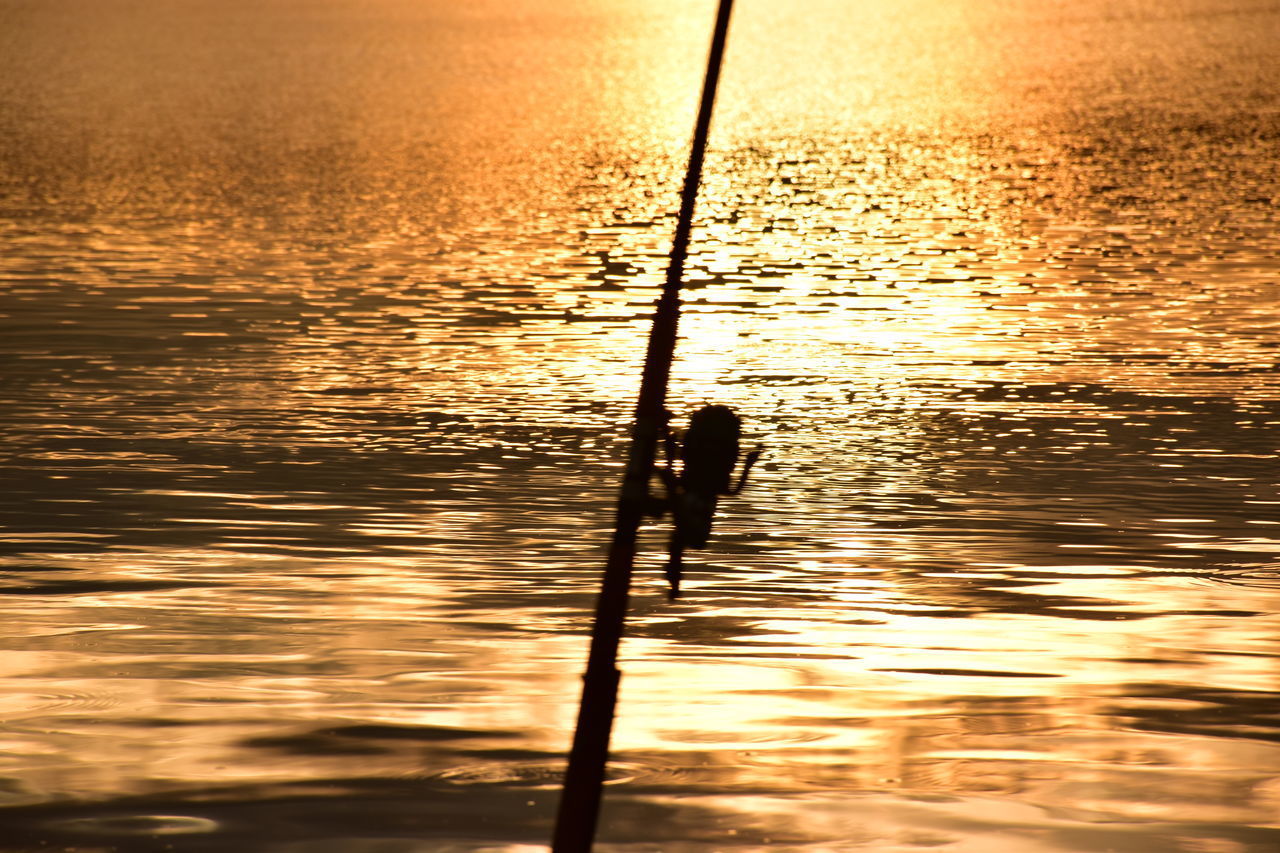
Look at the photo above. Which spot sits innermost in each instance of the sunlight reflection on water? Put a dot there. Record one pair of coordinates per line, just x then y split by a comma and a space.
321, 331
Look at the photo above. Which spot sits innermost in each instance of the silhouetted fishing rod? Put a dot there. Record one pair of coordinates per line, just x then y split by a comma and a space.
584, 779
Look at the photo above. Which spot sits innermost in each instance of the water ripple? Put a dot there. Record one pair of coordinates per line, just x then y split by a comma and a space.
316, 390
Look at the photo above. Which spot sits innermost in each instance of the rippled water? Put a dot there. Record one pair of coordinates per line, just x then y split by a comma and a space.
321, 325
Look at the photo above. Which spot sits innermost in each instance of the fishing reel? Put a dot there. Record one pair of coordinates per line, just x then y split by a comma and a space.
709, 451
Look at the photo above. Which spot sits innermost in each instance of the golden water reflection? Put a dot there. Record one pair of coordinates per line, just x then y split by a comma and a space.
313, 416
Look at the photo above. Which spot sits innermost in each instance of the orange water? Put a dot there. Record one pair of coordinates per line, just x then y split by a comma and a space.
320, 327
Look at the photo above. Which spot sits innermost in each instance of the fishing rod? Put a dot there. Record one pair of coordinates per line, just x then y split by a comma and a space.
584, 779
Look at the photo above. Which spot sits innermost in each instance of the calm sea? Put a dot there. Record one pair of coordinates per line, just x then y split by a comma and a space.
320, 331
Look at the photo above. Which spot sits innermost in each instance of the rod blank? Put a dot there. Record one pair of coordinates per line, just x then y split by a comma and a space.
579, 808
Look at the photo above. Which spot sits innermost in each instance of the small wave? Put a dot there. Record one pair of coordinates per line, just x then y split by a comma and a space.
58, 699
972, 673
1263, 577
532, 774
135, 825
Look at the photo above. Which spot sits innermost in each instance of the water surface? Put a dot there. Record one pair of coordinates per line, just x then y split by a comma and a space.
321, 332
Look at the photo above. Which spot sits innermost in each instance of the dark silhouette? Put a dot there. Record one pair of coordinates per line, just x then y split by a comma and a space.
709, 451
579, 808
